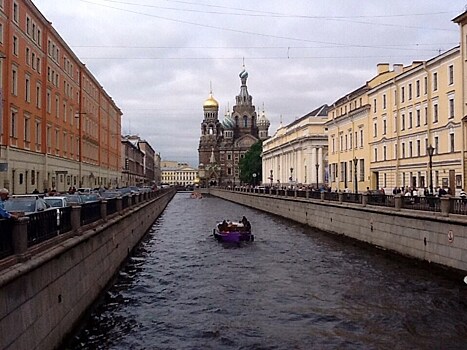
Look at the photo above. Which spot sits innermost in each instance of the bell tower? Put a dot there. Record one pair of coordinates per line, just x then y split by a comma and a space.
211, 131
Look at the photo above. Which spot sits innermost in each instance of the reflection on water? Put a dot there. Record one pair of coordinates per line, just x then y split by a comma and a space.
293, 288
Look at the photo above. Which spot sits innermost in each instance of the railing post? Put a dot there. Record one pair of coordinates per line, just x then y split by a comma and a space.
322, 196
75, 218
341, 197
398, 202
295, 193
364, 199
119, 205
445, 204
307, 193
20, 238
104, 210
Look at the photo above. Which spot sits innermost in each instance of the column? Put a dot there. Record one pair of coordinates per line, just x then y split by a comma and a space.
314, 160
321, 165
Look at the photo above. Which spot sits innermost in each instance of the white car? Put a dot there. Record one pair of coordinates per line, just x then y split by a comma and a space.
57, 201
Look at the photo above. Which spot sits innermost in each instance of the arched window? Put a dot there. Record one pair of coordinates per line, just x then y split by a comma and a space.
245, 121
236, 120
211, 130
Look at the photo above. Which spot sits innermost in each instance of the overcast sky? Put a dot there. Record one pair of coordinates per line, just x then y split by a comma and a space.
157, 58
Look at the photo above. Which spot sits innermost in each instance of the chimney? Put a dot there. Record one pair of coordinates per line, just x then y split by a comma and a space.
382, 68
398, 68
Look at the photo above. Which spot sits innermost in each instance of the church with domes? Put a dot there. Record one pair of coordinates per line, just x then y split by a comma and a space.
223, 143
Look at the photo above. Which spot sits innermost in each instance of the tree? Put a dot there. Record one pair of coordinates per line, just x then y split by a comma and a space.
251, 164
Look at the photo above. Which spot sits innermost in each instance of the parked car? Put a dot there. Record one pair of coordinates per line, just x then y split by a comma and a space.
83, 190
90, 197
74, 199
26, 204
57, 201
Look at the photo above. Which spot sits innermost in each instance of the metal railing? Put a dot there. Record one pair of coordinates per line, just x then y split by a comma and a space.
421, 203
6, 242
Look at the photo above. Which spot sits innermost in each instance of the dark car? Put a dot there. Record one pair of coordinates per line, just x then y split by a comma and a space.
26, 204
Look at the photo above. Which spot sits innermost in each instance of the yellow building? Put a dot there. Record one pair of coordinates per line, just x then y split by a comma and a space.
175, 173
297, 153
348, 135
418, 109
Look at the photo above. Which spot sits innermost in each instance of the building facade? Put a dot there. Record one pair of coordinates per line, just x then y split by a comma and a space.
223, 144
133, 163
57, 124
298, 152
178, 174
149, 159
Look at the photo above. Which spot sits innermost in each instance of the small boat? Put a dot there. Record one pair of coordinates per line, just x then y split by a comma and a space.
233, 232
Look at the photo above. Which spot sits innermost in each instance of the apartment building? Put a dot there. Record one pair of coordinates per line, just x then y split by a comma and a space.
175, 173
57, 124
418, 109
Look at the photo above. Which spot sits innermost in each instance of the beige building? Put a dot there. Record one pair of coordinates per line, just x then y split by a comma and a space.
418, 109
298, 152
175, 173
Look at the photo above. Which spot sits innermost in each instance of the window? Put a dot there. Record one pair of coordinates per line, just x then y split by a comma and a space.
28, 56
403, 150
27, 136
402, 94
410, 149
15, 12
384, 101
451, 143
245, 121
435, 113
38, 96
376, 154
410, 120
451, 74
426, 115
14, 82
418, 148
374, 105
375, 129
1, 33
403, 122
362, 169
425, 83
38, 134
417, 88
418, 117
384, 126
15, 46
27, 88
14, 124
436, 145
49, 102
435, 81
451, 108
410, 91
361, 139
384, 152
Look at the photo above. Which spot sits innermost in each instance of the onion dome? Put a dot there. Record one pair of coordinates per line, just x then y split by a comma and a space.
263, 121
228, 122
243, 74
211, 102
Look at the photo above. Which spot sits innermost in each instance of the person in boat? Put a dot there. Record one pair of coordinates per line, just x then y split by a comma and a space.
223, 226
246, 223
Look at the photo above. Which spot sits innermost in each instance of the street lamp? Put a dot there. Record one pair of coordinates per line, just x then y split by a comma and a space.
291, 177
270, 177
254, 179
317, 178
355, 162
430, 149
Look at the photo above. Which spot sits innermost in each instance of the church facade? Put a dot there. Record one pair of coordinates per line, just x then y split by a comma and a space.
223, 143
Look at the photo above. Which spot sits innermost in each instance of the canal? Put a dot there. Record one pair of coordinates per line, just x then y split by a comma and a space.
293, 288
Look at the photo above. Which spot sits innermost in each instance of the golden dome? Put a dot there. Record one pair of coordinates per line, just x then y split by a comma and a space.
211, 102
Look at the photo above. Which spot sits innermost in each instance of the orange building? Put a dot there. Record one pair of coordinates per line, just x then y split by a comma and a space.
58, 127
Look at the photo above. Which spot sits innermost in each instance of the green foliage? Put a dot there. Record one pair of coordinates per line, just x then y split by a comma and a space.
251, 164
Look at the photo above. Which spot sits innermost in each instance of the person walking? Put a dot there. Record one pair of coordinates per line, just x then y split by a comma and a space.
4, 194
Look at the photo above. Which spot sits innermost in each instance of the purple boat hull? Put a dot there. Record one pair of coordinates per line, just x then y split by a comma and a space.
233, 236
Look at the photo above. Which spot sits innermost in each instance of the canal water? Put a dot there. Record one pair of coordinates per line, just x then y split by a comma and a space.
292, 288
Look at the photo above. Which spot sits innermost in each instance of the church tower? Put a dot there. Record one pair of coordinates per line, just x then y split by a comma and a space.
210, 132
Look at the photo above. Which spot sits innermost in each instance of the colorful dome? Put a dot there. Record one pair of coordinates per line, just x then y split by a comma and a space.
228, 122
211, 102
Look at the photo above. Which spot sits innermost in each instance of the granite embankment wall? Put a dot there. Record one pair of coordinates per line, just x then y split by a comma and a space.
43, 298
422, 235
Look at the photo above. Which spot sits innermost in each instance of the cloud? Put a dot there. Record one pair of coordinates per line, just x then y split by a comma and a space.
157, 59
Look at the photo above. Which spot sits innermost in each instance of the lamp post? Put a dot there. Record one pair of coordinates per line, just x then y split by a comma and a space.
254, 180
317, 178
291, 175
80, 147
270, 177
430, 149
355, 162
